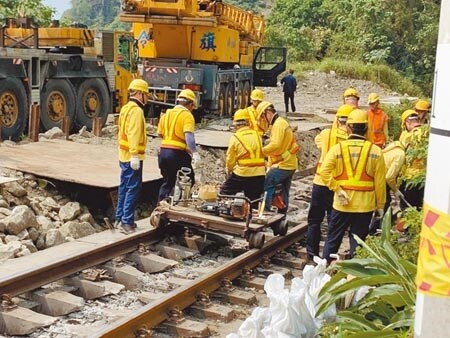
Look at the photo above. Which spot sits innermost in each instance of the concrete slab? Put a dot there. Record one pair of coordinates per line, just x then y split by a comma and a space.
305, 126
212, 138
21, 321
125, 274
93, 290
51, 159
57, 303
152, 263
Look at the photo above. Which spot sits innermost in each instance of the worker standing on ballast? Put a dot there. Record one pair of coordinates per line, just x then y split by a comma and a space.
377, 131
176, 128
245, 163
354, 169
281, 150
322, 197
351, 97
256, 97
132, 143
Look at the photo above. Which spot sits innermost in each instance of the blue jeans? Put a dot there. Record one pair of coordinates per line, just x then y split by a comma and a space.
321, 204
274, 177
128, 195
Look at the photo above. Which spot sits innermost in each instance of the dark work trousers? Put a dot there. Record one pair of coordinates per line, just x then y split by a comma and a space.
289, 97
253, 187
376, 223
414, 196
339, 223
321, 204
170, 161
128, 194
274, 177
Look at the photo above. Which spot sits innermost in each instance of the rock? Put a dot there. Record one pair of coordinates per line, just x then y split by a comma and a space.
76, 229
24, 251
53, 133
87, 217
11, 238
23, 235
3, 203
50, 204
33, 233
21, 218
69, 211
4, 212
44, 224
53, 237
15, 189
9, 250
30, 245
84, 133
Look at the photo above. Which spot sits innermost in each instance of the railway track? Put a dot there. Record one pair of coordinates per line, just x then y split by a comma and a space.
30, 279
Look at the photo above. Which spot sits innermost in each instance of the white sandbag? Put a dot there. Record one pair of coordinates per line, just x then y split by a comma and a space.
252, 326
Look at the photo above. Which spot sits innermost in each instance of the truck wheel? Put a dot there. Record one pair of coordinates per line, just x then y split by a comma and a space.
13, 109
222, 102
57, 101
246, 94
92, 101
229, 97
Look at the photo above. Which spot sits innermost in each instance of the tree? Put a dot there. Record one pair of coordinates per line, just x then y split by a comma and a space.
41, 14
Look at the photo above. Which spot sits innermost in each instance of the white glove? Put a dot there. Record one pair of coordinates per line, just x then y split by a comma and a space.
342, 196
378, 214
196, 160
135, 164
399, 194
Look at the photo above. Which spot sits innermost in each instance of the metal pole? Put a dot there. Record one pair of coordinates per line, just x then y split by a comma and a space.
66, 126
433, 268
33, 125
96, 126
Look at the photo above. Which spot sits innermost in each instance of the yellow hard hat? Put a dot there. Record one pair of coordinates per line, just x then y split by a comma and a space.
373, 97
138, 85
350, 92
406, 114
261, 107
241, 114
188, 95
422, 105
357, 116
344, 110
257, 95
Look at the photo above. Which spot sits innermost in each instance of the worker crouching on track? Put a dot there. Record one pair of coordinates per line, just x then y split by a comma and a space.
176, 128
281, 150
245, 164
132, 142
355, 171
321, 196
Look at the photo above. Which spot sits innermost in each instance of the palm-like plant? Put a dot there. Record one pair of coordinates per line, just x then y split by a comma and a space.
387, 309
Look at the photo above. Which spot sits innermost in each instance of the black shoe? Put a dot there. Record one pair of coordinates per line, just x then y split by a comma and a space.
128, 228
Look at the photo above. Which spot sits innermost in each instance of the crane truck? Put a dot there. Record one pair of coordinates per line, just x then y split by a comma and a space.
210, 47
70, 72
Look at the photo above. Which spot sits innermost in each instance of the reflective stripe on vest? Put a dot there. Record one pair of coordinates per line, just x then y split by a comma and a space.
357, 179
292, 149
251, 158
123, 140
170, 140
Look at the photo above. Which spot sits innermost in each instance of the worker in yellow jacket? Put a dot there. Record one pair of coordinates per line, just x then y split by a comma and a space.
351, 97
132, 143
354, 169
322, 197
256, 97
178, 148
394, 159
245, 160
410, 120
422, 108
281, 150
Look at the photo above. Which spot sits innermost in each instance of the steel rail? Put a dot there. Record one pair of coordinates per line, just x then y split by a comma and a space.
156, 312
31, 279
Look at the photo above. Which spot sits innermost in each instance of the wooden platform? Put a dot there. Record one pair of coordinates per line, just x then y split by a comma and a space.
88, 164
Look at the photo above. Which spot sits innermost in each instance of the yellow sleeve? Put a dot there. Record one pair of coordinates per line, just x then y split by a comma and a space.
319, 139
231, 154
380, 182
135, 129
275, 141
160, 125
188, 123
394, 170
328, 167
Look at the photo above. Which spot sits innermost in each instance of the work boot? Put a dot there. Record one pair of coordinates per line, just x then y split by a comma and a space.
128, 228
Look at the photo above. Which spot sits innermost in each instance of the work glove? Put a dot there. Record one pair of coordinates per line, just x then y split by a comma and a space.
378, 214
135, 164
196, 160
399, 194
342, 196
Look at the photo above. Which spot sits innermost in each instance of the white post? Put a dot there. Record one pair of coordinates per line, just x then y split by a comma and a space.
433, 293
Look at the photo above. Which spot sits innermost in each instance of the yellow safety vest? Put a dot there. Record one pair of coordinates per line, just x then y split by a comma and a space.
291, 150
252, 158
355, 178
335, 134
170, 139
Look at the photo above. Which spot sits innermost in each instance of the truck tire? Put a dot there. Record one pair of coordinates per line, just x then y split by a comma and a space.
229, 97
93, 100
57, 101
221, 101
13, 109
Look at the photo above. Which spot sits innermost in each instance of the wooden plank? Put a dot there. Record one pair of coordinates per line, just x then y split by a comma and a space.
88, 164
